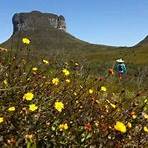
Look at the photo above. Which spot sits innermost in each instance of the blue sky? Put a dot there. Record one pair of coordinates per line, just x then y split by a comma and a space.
110, 22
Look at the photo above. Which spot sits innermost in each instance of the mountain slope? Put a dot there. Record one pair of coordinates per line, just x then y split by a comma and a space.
47, 33
45, 30
144, 42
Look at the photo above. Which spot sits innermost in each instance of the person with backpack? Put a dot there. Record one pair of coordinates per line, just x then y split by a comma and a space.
120, 68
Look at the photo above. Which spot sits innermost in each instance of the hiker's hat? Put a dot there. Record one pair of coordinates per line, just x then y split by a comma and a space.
120, 61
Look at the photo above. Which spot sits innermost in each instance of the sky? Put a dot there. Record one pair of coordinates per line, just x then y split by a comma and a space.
109, 22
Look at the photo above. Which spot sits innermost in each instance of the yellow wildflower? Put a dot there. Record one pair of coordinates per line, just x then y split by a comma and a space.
120, 127
63, 127
55, 81
91, 91
26, 41
33, 107
145, 129
11, 109
59, 106
66, 72
34, 69
67, 81
103, 88
28, 96
1, 119
45, 62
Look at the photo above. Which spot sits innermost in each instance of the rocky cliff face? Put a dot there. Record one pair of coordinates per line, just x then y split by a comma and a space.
36, 20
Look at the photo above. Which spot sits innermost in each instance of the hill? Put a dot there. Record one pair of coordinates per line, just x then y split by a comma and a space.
144, 42
48, 35
46, 31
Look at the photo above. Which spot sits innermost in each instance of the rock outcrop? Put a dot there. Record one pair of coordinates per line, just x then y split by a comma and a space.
36, 20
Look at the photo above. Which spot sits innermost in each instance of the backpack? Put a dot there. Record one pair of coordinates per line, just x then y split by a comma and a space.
120, 67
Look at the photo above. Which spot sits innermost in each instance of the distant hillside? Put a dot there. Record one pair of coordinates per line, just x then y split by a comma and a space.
144, 42
48, 34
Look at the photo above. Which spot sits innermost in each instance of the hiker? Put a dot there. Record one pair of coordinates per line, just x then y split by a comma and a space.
120, 68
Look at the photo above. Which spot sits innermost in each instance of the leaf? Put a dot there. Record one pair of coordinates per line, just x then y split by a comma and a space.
83, 139
31, 144
89, 136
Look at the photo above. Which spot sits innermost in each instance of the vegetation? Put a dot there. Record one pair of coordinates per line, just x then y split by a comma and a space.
51, 101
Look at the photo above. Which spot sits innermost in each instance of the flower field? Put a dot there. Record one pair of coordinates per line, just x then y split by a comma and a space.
62, 104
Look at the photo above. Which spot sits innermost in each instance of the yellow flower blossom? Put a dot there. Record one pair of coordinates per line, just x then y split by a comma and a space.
11, 109
103, 88
1, 119
45, 62
67, 81
91, 91
63, 127
55, 81
28, 96
145, 129
59, 106
26, 41
120, 127
34, 69
33, 107
66, 72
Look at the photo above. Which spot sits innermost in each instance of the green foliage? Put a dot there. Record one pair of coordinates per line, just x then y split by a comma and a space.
88, 117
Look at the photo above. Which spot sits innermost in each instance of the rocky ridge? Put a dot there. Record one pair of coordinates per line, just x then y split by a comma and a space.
35, 20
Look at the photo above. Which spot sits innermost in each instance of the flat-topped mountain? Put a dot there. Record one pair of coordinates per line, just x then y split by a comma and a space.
46, 31
48, 34
36, 20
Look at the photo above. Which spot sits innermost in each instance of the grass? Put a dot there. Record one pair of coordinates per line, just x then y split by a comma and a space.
90, 106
